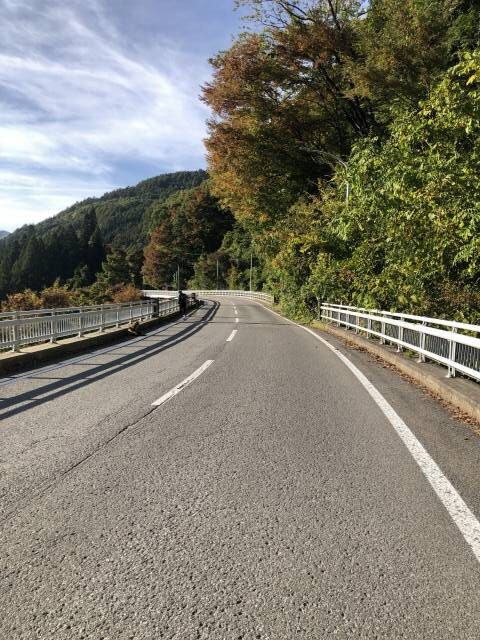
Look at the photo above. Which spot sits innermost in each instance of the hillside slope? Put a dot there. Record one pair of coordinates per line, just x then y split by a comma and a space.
76, 238
123, 214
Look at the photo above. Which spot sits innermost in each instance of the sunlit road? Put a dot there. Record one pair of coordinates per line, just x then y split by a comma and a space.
228, 477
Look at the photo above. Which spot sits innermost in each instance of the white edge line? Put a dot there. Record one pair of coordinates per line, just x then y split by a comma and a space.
457, 508
173, 392
232, 335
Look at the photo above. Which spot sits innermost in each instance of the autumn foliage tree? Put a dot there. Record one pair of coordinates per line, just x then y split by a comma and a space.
328, 118
188, 225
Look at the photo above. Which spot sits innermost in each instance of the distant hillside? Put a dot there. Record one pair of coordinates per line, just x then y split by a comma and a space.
123, 214
73, 242
4, 234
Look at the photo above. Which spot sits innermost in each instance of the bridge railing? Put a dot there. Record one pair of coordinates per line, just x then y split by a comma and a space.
252, 295
19, 328
456, 345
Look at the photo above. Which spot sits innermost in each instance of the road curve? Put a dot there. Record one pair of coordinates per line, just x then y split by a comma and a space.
228, 477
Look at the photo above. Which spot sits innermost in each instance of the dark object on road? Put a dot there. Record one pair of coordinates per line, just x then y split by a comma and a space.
182, 303
135, 329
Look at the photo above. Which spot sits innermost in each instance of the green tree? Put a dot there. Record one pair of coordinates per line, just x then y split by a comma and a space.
91, 245
135, 260
29, 270
8, 256
63, 252
189, 225
115, 269
210, 272
404, 47
409, 238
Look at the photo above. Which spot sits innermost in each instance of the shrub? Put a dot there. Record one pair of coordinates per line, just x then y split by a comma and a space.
126, 293
22, 301
56, 296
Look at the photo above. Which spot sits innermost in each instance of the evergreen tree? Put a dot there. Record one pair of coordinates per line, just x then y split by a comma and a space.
63, 251
135, 261
28, 271
115, 269
95, 252
4, 280
10, 254
92, 251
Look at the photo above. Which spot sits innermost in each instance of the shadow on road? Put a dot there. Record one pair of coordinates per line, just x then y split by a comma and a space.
62, 386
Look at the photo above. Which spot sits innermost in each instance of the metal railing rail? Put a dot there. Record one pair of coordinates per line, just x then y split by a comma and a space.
464, 326
456, 350
48, 325
35, 313
253, 295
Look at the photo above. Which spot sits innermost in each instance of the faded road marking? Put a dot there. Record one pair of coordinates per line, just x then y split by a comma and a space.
173, 392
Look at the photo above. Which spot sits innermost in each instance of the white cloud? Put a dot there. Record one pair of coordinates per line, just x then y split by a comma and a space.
27, 199
78, 98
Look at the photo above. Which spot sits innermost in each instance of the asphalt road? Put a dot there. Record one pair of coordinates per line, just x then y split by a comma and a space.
269, 498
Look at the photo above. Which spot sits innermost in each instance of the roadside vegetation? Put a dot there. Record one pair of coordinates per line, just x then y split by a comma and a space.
345, 140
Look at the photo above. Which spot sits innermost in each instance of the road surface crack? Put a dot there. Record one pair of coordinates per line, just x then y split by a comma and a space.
48, 487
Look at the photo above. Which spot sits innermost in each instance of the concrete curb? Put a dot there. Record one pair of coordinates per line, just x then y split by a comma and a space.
30, 357
460, 393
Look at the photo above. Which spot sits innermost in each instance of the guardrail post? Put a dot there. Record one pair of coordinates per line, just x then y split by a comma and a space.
451, 356
102, 319
369, 327
382, 331
117, 323
131, 313
357, 323
15, 333
80, 324
400, 337
53, 337
421, 341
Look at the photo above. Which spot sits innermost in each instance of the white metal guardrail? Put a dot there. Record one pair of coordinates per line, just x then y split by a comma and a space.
455, 345
36, 313
253, 295
47, 325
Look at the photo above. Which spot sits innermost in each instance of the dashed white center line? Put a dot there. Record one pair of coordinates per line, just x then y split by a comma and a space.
232, 335
236, 312
237, 320
173, 392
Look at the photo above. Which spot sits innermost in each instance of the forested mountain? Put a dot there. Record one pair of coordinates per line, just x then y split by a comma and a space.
108, 248
122, 214
4, 234
72, 244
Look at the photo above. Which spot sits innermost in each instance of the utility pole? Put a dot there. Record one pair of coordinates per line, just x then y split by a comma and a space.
178, 276
251, 266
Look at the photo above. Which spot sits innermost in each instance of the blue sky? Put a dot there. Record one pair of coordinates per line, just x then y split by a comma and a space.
97, 94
